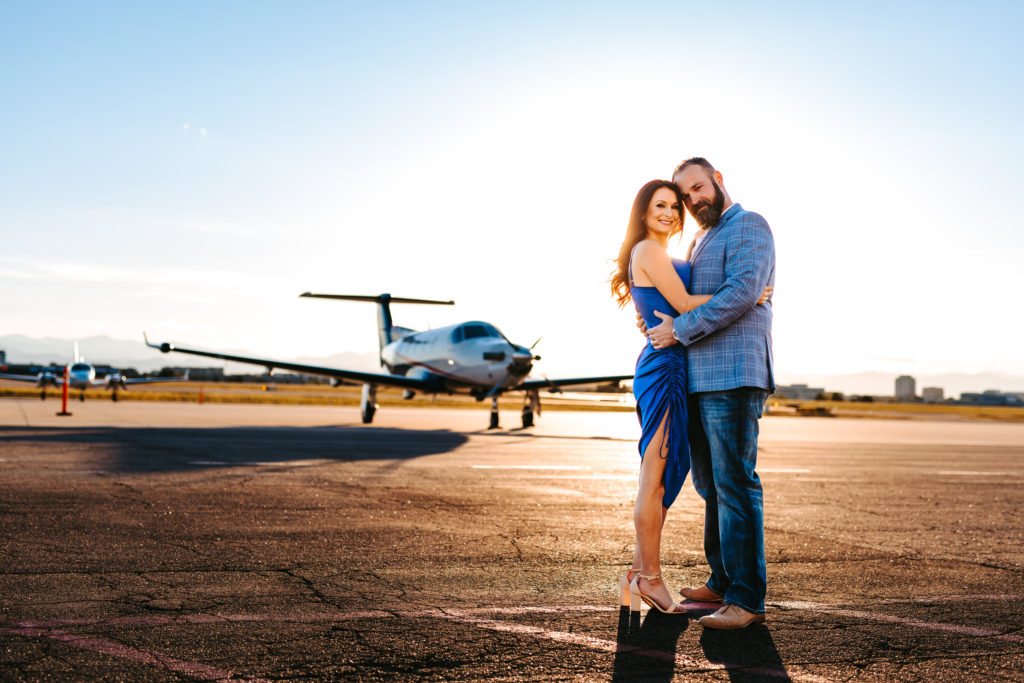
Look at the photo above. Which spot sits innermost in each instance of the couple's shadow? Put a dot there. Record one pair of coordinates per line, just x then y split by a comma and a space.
647, 645
648, 648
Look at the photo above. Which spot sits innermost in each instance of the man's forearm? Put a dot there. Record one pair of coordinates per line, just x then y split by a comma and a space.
747, 273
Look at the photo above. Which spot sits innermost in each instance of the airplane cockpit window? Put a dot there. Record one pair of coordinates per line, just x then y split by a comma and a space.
77, 367
474, 331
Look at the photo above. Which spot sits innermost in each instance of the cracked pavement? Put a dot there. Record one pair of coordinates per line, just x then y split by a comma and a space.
163, 542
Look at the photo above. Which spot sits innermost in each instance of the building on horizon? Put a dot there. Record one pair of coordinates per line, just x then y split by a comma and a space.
932, 394
906, 388
3, 357
798, 391
205, 374
992, 397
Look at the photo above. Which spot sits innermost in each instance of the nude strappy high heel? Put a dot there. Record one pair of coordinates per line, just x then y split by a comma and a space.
624, 583
636, 596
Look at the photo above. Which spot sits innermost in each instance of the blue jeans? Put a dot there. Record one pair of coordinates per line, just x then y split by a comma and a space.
723, 452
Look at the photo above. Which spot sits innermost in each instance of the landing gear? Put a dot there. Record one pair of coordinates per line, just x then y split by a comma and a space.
531, 403
42, 395
368, 403
113, 396
494, 413
81, 396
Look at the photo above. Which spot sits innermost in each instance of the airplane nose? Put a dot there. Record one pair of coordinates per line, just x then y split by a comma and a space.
521, 363
495, 352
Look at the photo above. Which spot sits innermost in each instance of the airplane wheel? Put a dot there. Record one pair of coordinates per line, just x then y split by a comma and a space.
113, 397
368, 411
494, 421
42, 395
81, 397
527, 420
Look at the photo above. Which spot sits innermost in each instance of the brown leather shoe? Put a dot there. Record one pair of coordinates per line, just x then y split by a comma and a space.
730, 617
702, 594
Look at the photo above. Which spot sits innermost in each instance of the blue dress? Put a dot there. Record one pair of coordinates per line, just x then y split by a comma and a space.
659, 385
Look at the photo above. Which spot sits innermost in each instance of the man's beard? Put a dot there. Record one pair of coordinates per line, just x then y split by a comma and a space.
708, 214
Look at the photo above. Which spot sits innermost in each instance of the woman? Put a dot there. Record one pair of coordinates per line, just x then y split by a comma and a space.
655, 282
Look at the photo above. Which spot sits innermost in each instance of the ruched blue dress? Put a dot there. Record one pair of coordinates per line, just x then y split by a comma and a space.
659, 385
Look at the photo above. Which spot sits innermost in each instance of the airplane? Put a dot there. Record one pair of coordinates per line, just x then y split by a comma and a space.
473, 357
82, 375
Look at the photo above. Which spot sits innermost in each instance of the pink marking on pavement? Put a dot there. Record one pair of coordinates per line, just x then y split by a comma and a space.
194, 669
892, 619
955, 598
695, 606
48, 629
205, 619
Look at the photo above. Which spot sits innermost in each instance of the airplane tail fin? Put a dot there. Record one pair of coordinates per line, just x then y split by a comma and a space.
385, 326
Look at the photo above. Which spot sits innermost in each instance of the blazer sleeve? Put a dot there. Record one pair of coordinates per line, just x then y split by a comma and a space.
750, 258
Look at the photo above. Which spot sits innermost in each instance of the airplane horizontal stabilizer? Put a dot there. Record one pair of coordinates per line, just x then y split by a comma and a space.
380, 298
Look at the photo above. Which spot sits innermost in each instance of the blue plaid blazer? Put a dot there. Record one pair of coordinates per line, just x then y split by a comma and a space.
729, 339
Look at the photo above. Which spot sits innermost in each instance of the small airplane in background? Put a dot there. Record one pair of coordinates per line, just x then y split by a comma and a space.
472, 357
82, 375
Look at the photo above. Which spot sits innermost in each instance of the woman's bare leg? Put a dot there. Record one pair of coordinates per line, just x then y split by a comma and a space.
635, 567
649, 516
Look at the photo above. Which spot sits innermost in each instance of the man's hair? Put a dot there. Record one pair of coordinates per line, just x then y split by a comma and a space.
695, 161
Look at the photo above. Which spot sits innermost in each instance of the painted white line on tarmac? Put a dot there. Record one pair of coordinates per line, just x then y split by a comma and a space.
573, 468
615, 647
892, 619
49, 630
608, 477
255, 463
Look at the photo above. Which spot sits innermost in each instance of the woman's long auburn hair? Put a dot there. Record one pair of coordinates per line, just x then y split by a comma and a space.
636, 231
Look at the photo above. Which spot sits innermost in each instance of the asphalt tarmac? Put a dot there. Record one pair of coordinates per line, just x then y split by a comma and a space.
156, 541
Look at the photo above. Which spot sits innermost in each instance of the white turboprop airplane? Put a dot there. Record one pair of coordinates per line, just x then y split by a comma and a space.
82, 375
471, 357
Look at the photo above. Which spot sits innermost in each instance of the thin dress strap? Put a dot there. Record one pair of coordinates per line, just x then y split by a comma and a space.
631, 264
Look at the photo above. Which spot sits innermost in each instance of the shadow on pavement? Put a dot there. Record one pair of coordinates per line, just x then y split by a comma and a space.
170, 449
647, 647
748, 654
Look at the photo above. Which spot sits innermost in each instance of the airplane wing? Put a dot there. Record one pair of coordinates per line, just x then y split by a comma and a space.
569, 381
151, 380
21, 378
339, 373
50, 379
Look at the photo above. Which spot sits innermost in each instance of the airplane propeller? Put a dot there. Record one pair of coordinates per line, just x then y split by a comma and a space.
518, 367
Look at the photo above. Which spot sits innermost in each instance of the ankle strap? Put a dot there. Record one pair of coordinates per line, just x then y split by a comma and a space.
650, 578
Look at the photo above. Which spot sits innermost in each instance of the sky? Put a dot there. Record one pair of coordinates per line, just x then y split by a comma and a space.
188, 169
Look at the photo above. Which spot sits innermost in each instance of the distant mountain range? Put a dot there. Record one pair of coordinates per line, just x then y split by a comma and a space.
123, 353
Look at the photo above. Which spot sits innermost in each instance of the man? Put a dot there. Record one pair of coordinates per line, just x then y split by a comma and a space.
729, 348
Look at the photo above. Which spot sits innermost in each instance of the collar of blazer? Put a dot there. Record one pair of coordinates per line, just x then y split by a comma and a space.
714, 232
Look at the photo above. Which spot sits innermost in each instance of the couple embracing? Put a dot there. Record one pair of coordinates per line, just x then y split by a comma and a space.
700, 385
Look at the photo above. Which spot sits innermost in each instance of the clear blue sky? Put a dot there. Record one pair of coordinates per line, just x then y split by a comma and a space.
190, 168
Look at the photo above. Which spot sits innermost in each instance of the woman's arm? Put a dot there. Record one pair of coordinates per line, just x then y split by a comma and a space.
654, 262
